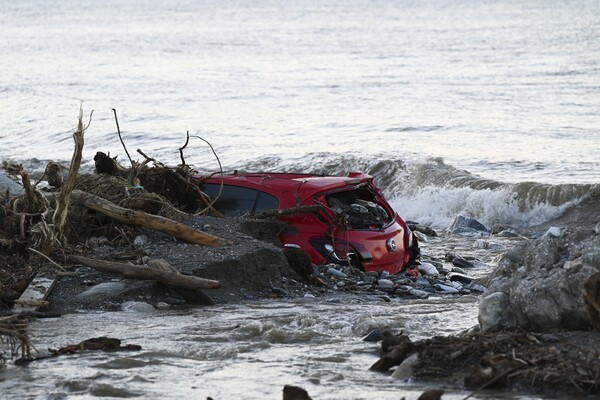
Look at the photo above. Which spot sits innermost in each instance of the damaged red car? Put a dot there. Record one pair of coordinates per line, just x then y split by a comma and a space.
349, 223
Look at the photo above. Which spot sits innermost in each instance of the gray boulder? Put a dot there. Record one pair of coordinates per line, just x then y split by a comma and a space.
538, 286
7, 184
468, 227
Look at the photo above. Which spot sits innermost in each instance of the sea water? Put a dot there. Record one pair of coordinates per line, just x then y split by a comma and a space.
489, 109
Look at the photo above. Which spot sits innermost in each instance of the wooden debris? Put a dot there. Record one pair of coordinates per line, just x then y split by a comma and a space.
102, 343
155, 222
14, 331
64, 201
145, 273
34, 296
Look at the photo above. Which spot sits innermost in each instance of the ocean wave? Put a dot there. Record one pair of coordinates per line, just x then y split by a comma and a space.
434, 193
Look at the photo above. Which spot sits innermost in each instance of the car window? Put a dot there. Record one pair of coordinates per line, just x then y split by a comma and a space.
265, 202
237, 200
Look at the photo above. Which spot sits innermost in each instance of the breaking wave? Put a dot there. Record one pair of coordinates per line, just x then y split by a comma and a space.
434, 193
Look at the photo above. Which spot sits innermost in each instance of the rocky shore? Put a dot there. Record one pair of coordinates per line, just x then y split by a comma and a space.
536, 333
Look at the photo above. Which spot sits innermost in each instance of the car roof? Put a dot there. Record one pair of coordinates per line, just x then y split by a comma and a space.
286, 181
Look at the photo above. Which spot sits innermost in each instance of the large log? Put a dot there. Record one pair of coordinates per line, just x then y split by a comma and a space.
167, 277
156, 222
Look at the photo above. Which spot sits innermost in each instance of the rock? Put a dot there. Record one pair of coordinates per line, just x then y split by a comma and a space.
137, 306
428, 269
374, 336
419, 294
468, 226
422, 229
405, 369
385, 284
140, 241
7, 184
493, 310
295, 393
103, 289
538, 285
458, 277
462, 263
445, 288
335, 272
553, 231
309, 296
434, 394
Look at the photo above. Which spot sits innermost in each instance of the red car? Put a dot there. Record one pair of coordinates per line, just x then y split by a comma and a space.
355, 224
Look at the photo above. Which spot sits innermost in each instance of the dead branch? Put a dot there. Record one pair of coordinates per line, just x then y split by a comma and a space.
165, 276
288, 211
155, 222
64, 201
123, 143
187, 140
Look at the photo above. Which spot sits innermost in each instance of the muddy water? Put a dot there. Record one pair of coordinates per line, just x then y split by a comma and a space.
250, 350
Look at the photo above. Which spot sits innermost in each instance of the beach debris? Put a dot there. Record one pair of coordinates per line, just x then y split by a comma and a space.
102, 343
128, 216
395, 349
295, 393
14, 334
168, 277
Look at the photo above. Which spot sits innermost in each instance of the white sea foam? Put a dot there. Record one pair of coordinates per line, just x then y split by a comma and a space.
438, 206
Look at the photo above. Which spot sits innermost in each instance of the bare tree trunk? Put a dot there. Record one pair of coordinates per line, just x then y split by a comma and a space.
167, 277
155, 222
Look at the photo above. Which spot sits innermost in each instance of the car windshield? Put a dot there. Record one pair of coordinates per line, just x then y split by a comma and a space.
359, 208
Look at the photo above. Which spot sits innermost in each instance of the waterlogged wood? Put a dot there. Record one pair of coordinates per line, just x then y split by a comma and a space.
155, 222
146, 273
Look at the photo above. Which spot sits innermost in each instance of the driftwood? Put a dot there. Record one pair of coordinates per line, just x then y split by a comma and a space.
64, 200
288, 211
155, 222
167, 277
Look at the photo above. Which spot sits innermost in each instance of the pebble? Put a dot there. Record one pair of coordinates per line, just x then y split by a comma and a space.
462, 263
446, 288
140, 241
458, 277
420, 294
335, 272
385, 284
428, 269
553, 231
309, 296
137, 306
422, 282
